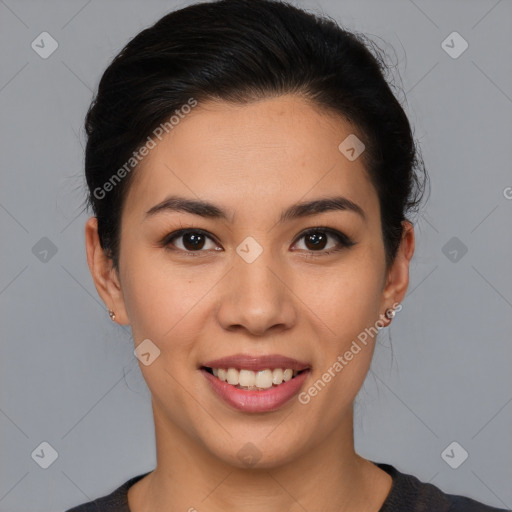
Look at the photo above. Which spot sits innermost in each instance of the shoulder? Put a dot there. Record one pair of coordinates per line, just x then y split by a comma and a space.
409, 494
116, 501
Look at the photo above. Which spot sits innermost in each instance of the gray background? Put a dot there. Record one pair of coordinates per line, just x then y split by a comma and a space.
68, 374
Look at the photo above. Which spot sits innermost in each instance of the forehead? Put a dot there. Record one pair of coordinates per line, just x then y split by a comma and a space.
261, 154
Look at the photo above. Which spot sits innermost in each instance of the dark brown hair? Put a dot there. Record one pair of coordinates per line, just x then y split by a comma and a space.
238, 51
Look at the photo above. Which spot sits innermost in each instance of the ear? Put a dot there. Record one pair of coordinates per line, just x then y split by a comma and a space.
104, 275
397, 280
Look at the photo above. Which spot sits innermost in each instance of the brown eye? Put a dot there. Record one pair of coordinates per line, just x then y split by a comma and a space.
191, 240
317, 240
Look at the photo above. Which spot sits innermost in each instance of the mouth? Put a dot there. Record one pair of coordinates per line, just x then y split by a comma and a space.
250, 380
256, 384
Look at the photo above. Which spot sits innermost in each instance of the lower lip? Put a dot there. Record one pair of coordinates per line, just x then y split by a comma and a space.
256, 401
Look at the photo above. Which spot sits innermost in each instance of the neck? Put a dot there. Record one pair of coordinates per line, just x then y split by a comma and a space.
327, 476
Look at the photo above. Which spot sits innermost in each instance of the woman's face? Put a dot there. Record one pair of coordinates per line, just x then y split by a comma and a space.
249, 281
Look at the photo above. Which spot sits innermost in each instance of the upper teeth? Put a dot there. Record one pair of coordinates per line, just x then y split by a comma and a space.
261, 379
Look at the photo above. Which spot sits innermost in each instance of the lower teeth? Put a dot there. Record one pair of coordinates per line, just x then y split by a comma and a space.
253, 388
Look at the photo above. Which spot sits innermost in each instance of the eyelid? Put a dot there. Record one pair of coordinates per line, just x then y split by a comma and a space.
344, 240
166, 241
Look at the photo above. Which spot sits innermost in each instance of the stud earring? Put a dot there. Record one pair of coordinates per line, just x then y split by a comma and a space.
390, 313
112, 315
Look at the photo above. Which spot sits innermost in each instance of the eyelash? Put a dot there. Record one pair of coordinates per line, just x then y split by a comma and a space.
344, 241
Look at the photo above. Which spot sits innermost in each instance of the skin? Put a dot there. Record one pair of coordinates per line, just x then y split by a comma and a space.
254, 161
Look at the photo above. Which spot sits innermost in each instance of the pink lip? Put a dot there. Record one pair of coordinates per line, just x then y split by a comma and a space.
255, 401
257, 363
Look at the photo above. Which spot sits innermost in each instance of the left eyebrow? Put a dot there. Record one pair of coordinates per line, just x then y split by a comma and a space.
317, 206
209, 210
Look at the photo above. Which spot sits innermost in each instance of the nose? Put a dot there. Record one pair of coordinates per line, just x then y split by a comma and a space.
257, 297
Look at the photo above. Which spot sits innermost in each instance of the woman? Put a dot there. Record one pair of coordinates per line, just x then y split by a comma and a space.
251, 176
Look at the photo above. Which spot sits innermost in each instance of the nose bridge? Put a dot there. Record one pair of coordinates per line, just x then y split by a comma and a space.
256, 297
257, 278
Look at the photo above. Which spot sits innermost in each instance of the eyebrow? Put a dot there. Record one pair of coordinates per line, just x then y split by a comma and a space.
299, 210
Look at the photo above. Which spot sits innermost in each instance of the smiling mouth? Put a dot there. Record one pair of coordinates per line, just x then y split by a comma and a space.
254, 380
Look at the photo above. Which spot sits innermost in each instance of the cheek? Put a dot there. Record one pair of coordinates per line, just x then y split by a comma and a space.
347, 297
344, 315
345, 308
158, 295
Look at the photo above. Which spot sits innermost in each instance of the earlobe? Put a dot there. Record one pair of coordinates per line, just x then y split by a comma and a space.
103, 274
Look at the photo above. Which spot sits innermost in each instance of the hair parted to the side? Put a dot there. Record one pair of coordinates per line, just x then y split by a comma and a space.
240, 51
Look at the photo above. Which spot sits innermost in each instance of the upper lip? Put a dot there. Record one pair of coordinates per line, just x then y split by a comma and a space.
257, 363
